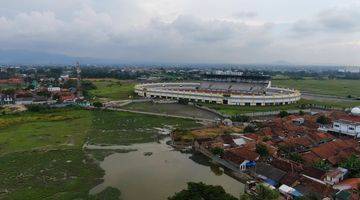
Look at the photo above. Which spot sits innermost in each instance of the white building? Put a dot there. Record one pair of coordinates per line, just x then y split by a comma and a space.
334, 176
348, 125
192, 93
54, 89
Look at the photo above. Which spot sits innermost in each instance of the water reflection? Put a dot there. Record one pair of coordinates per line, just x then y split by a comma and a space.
160, 174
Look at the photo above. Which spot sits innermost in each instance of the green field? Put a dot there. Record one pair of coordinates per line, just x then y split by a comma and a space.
128, 128
10, 86
336, 87
112, 89
238, 110
58, 174
60, 129
41, 155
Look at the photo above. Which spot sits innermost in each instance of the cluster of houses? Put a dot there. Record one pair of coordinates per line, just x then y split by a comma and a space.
46, 94
295, 145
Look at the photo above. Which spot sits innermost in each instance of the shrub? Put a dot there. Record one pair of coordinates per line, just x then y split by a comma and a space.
323, 120
202, 191
322, 165
97, 104
37, 108
283, 114
217, 151
353, 165
249, 129
262, 150
240, 118
183, 101
296, 157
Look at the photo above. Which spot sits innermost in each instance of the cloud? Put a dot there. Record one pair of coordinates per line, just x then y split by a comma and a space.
182, 30
332, 20
245, 15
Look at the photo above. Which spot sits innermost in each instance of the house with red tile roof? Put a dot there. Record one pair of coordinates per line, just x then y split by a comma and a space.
334, 152
351, 183
241, 157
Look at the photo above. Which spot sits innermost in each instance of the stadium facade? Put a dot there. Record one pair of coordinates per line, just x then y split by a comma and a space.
223, 88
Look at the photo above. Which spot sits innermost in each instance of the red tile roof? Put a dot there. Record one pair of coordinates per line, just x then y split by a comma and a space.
287, 165
314, 173
310, 157
245, 153
353, 183
302, 141
336, 150
11, 81
240, 154
310, 186
346, 117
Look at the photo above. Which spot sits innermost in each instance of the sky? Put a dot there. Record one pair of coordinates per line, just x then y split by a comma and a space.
186, 31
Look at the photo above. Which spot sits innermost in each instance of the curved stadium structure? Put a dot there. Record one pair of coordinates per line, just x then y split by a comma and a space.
221, 88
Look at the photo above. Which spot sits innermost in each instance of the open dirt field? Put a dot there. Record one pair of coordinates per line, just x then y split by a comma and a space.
172, 109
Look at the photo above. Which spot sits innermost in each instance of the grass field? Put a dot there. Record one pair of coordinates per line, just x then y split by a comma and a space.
60, 174
61, 129
190, 135
128, 128
238, 110
10, 86
112, 89
41, 155
337, 87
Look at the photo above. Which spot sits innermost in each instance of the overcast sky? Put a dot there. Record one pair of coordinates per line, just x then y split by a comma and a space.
204, 31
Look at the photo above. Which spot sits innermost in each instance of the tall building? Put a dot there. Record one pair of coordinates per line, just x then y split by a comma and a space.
78, 82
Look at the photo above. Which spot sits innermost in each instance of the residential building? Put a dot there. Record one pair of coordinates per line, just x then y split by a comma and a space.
336, 175
54, 89
6, 99
241, 157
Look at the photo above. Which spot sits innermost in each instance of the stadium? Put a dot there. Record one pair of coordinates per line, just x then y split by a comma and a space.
223, 88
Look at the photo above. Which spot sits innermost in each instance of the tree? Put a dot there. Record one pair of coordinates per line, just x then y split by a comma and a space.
8, 91
262, 193
353, 165
301, 112
109, 193
249, 129
266, 138
262, 150
283, 113
240, 118
296, 157
322, 165
323, 120
217, 151
310, 196
97, 104
266, 193
201, 191
183, 101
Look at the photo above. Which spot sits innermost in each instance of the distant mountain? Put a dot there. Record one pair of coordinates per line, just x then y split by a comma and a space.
43, 58
30, 57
